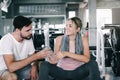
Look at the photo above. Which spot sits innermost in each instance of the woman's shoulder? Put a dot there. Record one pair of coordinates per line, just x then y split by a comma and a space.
59, 37
58, 40
84, 37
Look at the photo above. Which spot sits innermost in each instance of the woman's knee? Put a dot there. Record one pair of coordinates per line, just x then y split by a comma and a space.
44, 65
92, 63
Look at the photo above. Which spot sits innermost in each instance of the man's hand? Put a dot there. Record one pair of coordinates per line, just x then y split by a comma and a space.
34, 73
43, 53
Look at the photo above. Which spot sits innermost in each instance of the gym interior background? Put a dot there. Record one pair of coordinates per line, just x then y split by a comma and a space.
100, 19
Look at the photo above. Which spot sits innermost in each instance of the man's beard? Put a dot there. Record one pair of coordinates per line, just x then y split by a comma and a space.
27, 38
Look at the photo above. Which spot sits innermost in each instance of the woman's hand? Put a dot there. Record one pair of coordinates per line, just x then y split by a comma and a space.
53, 59
60, 55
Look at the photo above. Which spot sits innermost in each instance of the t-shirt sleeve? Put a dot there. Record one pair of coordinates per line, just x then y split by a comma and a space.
31, 48
5, 46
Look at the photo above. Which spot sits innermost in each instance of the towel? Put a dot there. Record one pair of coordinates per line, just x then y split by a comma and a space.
78, 43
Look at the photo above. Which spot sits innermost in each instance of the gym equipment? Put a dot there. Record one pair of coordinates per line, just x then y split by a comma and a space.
113, 48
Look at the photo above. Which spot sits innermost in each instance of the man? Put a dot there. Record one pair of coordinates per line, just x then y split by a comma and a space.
17, 58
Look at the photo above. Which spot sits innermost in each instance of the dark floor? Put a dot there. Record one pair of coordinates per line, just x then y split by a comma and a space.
110, 75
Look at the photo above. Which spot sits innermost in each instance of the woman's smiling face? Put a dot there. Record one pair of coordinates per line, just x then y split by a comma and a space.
71, 28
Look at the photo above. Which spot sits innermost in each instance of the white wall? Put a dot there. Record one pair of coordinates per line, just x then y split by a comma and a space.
8, 26
116, 16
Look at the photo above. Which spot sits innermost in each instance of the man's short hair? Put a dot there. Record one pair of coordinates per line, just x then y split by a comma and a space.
21, 21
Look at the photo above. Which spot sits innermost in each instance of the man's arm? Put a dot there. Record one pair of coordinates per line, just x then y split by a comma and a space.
13, 65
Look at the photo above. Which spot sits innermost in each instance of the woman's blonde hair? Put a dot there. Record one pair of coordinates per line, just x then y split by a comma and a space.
77, 21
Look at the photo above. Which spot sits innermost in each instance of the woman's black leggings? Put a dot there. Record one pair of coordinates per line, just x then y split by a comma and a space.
89, 70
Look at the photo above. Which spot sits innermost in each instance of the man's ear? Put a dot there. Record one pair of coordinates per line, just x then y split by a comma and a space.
17, 29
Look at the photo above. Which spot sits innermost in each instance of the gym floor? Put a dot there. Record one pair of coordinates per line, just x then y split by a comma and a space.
110, 75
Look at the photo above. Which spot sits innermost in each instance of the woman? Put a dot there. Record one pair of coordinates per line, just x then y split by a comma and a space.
72, 56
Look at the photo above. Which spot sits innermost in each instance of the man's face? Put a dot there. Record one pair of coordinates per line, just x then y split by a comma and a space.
26, 32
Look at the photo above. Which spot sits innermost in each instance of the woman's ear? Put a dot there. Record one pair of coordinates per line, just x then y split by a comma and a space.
78, 29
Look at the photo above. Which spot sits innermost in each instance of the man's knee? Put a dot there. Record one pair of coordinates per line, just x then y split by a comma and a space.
8, 76
12, 76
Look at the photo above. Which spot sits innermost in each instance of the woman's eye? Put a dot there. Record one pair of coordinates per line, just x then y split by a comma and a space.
70, 26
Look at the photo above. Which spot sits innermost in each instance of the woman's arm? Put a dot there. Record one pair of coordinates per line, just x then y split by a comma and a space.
54, 59
86, 53
57, 44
